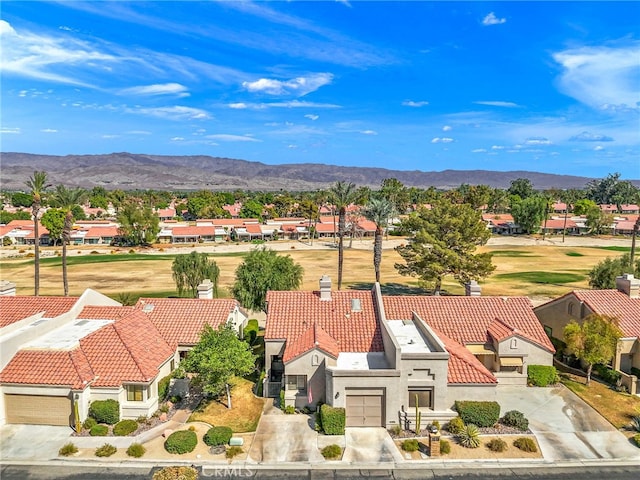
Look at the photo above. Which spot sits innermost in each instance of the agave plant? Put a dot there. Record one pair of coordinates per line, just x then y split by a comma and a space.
635, 423
469, 436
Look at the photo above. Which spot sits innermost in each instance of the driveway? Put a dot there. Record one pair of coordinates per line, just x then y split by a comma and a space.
369, 445
565, 426
31, 442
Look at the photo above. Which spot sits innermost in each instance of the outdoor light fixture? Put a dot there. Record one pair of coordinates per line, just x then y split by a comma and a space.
337, 395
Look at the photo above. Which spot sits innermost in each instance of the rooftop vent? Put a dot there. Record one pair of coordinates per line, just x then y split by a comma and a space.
148, 307
356, 306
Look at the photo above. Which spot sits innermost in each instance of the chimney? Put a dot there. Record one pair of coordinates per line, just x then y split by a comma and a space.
629, 285
472, 289
205, 289
325, 288
7, 288
356, 306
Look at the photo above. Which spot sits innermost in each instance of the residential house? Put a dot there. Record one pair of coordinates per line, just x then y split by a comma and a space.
372, 354
622, 303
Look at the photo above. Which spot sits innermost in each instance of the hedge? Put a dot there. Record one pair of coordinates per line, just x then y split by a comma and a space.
514, 418
251, 331
124, 428
163, 387
607, 374
481, 414
182, 441
542, 375
105, 411
333, 419
217, 436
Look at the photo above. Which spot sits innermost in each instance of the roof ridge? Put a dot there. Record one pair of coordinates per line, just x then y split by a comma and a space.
126, 346
76, 367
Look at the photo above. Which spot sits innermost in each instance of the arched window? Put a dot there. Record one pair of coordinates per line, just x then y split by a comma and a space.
570, 308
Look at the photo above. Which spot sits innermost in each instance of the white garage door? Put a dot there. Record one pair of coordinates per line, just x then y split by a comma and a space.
38, 409
364, 410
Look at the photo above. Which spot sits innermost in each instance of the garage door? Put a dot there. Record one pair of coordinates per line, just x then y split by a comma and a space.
38, 409
364, 410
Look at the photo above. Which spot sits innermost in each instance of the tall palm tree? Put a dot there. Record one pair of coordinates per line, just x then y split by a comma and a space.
65, 199
378, 210
342, 194
37, 184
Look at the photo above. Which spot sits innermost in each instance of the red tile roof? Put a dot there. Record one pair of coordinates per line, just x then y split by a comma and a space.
291, 313
467, 319
101, 232
181, 320
313, 337
464, 367
192, 231
45, 367
500, 330
616, 304
558, 223
16, 308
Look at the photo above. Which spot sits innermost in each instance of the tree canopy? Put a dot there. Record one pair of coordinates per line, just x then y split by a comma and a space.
529, 213
603, 274
218, 357
594, 341
139, 225
444, 240
191, 269
263, 270
53, 220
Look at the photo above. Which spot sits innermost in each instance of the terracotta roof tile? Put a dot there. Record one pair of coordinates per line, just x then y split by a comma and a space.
464, 367
100, 232
313, 337
616, 304
16, 308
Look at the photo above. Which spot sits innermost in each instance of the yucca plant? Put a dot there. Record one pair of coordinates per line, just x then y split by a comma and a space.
469, 436
635, 423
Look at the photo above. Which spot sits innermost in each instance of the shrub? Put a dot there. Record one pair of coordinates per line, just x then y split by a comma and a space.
396, 430
192, 428
217, 436
124, 428
636, 439
469, 437
514, 418
89, 423
607, 374
176, 473
635, 423
99, 430
68, 449
482, 414
106, 450
542, 375
251, 331
163, 387
164, 408
183, 441
176, 399
233, 451
142, 419
282, 399
332, 419
497, 445
331, 451
455, 425
526, 444
289, 409
105, 411
445, 447
410, 445
136, 450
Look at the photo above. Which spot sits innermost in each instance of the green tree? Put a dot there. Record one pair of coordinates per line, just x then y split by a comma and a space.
251, 209
342, 194
139, 225
21, 199
478, 196
6, 217
66, 199
395, 192
263, 270
529, 213
378, 211
37, 184
218, 357
582, 206
521, 187
444, 240
594, 341
598, 221
603, 275
611, 190
53, 220
191, 269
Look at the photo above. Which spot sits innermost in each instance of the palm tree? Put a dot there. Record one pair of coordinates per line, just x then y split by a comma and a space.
37, 184
65, 199
342, 194
378, 211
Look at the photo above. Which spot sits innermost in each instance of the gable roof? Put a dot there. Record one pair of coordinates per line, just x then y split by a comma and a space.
180, 321
16, 308
463, 366
313, 337
615, 304
292, 313
467, 319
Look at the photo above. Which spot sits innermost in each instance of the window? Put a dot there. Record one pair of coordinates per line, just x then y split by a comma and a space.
172, 365
296, 382
425, 397
134, 393
514, 343
315, 359
570, 308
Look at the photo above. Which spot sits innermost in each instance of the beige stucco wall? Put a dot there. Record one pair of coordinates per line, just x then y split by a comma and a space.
556, 315
312, 364
471, 392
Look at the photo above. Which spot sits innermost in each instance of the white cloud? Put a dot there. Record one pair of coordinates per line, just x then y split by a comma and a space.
497, 103
232, 138
173, 113
49, 130
312, 117
441, 140
597, 148
10, 130
479, 150
497, 147
368, 132
288, 104
603, 77
491, 19
298, 86
238, 106
590, 137
537, 141
108, 136
292, 146
157, 89
138, 132
447, 128
177, 139
411, 103
22, 93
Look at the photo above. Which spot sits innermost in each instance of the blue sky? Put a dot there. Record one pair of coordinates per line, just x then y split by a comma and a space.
540, 86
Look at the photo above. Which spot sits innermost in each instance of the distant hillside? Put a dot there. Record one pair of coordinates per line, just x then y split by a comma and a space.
129, 171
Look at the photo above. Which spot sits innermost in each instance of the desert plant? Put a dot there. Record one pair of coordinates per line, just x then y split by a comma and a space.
105, 411
233, 451
99, 430
418, 416
497, 445
217, 436
455, 425
89, 423
106, 450
136, 450
526, 444
331, 451
176, 473
635, 423
396, 430
516, 419
410, 445
124, 428
182, 441
636, 439
445, 447
289, 409
469, 437
68, 449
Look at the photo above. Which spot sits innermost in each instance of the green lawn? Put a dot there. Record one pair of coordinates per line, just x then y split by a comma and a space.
542, 277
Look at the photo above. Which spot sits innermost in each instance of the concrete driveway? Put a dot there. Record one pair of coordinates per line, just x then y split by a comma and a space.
369, 445
32, 442
565, 426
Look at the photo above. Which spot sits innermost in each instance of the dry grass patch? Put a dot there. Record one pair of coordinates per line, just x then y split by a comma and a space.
458, 452
244, 415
